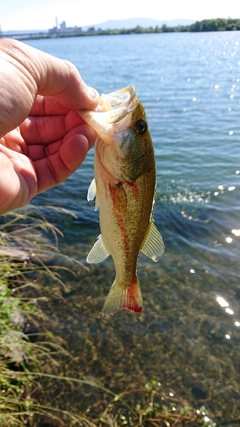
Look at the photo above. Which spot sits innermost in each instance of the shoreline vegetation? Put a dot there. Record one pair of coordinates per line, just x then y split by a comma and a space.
32, 357
206, 25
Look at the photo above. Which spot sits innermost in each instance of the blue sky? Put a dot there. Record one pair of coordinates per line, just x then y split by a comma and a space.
40, 14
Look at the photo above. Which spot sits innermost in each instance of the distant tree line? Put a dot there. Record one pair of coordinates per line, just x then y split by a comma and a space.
219, 24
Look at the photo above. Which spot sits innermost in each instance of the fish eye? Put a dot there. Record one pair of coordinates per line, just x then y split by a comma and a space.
141, 127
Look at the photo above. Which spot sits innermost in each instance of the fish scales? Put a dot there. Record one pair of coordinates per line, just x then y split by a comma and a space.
124, 187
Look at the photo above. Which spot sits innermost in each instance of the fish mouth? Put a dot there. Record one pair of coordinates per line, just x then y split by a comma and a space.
112, 117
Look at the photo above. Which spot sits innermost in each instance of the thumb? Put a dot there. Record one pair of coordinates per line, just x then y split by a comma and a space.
53, 76
61, 79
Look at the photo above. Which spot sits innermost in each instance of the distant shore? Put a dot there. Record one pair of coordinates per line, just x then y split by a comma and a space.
206, 25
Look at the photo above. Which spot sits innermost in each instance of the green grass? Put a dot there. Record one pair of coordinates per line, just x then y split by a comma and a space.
28, 360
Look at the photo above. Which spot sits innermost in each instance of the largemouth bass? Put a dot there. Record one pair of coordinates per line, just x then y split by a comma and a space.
124, 187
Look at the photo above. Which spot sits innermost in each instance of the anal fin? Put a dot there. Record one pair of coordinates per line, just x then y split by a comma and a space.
153, 246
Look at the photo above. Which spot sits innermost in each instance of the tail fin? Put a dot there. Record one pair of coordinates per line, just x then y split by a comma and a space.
119, 298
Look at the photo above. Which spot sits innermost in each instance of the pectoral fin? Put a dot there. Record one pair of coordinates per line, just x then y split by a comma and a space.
92, 193
153, 246
98, 253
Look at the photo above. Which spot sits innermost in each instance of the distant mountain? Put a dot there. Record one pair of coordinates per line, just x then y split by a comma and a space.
116, 24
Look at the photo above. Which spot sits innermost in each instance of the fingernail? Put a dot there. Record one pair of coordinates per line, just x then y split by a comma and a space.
93, 92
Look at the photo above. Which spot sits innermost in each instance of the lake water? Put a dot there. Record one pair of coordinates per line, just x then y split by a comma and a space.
188, 335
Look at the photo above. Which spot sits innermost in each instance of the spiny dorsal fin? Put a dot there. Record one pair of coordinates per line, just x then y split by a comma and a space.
98, 253
153, 246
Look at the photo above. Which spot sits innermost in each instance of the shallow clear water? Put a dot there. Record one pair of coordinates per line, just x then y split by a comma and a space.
188, 335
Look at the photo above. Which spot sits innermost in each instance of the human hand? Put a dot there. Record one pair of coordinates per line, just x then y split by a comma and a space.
43, 139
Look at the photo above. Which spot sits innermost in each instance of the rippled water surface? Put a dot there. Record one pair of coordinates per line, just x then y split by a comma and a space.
188, 335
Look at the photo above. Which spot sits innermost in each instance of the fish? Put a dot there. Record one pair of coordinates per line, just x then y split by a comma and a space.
124, 189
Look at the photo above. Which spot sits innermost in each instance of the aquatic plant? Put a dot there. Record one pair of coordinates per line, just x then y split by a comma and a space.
24, 344
154, 408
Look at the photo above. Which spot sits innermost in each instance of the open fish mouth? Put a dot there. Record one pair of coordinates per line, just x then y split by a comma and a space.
113, 114
119, 103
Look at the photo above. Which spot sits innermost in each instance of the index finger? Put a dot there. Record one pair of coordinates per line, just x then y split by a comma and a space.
47, 106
